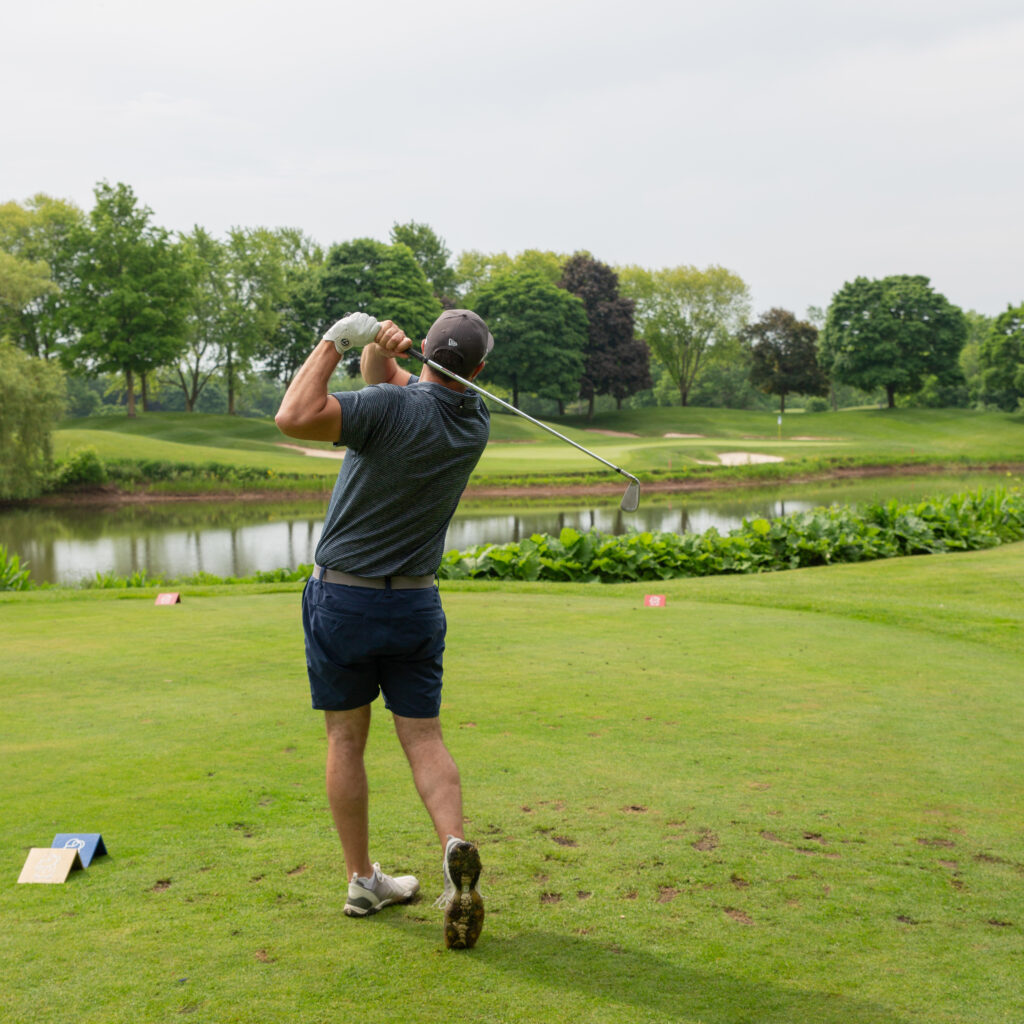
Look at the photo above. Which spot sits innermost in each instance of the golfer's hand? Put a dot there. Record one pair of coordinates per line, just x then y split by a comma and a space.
357, 329
392, 340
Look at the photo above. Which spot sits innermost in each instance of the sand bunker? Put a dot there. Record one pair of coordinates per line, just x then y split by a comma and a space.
682, 435
741, 459
320, 453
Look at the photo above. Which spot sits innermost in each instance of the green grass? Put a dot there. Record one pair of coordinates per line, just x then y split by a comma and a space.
786, 798
810, 442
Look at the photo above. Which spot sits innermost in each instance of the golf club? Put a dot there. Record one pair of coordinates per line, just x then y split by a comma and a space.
630, 500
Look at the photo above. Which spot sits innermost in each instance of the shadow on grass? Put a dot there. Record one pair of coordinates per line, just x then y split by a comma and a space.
658, 985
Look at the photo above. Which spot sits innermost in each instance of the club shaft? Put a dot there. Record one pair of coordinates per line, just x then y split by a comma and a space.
519, 412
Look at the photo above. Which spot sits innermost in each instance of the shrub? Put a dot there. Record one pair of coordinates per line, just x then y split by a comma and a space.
83, 467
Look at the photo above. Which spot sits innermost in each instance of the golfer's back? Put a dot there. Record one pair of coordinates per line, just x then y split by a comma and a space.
410, 452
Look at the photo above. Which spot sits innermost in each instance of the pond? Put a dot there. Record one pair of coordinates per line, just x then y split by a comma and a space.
68, 544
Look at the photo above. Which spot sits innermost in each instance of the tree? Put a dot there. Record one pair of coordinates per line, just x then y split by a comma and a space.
891, 333
255, 273
382, 280
37, 237
299, 313
616, 364
206, 321
129, 302
32, 398
21, 283
784, 356
978, 327
684, 313
432, 255
1001, 360
540, 335
474, 268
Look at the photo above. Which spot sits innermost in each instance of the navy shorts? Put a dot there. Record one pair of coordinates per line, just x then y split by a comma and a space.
361, 642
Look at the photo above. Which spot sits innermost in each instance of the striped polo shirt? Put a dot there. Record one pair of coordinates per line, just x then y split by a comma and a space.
410, 451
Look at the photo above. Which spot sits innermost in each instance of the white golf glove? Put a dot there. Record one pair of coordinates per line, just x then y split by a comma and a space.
354, 329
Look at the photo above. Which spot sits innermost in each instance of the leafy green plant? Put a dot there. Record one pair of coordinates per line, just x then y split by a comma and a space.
110, 581
821, 536
13, 575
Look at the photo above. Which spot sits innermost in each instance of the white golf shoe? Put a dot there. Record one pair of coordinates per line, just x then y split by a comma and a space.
368, 895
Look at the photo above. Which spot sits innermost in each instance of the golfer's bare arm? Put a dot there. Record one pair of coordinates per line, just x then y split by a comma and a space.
309, 413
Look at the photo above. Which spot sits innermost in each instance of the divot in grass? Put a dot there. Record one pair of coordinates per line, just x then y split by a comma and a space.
708, 841
738, 916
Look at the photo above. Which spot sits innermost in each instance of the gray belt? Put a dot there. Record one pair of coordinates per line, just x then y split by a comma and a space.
374, 582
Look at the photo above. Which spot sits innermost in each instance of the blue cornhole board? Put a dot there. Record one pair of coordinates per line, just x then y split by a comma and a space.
88, 845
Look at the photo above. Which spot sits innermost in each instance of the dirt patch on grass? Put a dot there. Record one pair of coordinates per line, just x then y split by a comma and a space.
738, 916
707, 841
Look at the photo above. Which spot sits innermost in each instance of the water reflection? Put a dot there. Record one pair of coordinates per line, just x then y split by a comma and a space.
236, 539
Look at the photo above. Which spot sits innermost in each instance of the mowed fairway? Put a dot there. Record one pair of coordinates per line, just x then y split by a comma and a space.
656, 439
786, 798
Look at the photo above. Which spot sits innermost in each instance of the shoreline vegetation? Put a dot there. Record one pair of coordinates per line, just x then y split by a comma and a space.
130, 482
838, 534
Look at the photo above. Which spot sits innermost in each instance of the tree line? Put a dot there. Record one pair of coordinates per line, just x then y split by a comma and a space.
111, 296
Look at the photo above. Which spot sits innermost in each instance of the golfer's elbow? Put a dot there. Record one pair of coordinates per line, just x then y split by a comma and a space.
293, 422
310, 424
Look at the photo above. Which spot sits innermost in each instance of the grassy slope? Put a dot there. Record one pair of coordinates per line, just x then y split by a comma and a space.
520, 448
785, 798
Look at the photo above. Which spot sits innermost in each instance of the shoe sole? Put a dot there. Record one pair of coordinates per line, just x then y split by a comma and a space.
464, 915
354, 910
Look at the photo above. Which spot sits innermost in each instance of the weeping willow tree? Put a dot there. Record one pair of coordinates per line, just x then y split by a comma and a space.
32, 398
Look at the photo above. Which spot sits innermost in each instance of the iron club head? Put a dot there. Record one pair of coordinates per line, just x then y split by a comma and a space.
631, 499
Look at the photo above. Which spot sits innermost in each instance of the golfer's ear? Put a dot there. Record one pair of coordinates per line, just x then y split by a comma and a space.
472, 376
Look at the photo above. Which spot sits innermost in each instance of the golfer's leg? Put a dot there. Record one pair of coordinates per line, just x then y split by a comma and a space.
347, 788
435, 773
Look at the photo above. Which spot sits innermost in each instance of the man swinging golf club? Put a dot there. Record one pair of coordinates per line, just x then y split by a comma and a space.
371, 610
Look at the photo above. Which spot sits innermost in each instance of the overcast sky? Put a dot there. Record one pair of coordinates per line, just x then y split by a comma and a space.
799, 144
